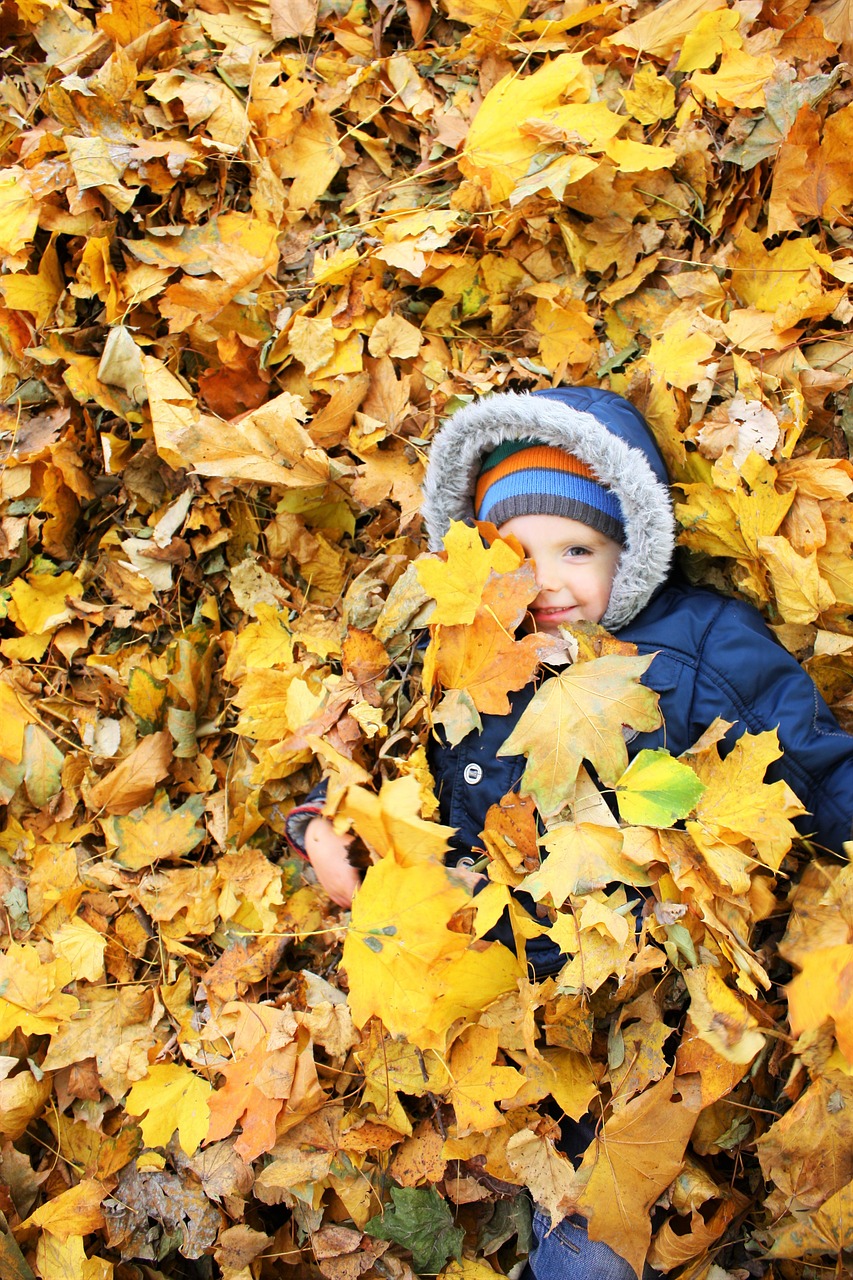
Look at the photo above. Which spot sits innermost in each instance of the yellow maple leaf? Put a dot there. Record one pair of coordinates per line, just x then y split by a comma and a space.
312, 341
498, 150
729, 519
824, 989
397, 933
66, 1260
571, 1079
456, 582
74, 1212
94, 168
651, 97
549, 1175
155, 832
31, 995
469, 982
312, 158
785, 281
720, 1016
15, 715
477, 13
579, 715
635, 157
390, 823
738, 805
477, 1084
566, 334
664, 28
825, 1231
601, 939
171, 1097
19, 211
712, 33
738, 81
678, 354
276, 703
581, 857
395, 337
38, 603
83, 947
37, 293
801, 593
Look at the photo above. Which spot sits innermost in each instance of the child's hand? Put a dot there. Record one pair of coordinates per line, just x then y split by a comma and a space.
327, 853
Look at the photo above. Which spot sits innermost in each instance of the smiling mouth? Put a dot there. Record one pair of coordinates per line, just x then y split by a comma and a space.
545, 615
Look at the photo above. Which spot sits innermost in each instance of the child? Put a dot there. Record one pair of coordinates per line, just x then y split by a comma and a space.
574, 473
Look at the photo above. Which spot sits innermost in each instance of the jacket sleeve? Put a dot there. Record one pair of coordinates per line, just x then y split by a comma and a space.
743, 665
296, 822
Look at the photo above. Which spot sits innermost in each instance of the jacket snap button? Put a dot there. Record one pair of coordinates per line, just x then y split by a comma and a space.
472, 774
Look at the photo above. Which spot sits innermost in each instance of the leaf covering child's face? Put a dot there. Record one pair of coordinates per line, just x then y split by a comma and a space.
575, 568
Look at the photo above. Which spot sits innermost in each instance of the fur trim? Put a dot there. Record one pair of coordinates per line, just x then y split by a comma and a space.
471, 432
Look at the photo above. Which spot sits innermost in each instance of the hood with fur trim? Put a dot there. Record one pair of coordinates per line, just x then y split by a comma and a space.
602, 429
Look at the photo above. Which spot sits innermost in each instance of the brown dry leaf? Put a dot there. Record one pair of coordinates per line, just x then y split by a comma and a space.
132, 783
635, 1156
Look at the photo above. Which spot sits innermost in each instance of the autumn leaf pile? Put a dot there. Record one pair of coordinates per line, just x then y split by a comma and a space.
252, 252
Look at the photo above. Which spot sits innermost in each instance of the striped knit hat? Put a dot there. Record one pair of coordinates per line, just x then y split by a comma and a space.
527, 477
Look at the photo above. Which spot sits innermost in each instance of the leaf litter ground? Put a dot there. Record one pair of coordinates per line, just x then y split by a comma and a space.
251, 255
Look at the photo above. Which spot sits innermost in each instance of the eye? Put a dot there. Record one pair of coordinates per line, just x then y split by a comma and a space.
574, 552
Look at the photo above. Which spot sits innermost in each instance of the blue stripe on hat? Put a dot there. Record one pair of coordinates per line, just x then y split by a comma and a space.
535, 484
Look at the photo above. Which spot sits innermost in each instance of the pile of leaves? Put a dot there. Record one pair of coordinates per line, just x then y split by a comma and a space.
253, 251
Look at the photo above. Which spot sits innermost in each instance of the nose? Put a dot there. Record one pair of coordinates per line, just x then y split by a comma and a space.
546, 578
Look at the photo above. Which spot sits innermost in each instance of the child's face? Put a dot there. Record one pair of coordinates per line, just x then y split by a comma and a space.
575, 568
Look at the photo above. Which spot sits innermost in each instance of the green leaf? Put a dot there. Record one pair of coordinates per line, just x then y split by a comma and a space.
421, 1222
657, 790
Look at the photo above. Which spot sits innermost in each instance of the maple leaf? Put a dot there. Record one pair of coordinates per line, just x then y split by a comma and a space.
421, 1222
581, 857
157, 831
679, 354
823, 990
171, 1097
579, 715
83, 947
389, 823
536, 1162
720, 1017
476, 1083
116, 1028
570, 1078
636, 1154
31, 995
60, 1259
484, 660
253, 1094
131, 783
456, 583
397, 933
809, 1150
827, 1230
738, 805
74, 1212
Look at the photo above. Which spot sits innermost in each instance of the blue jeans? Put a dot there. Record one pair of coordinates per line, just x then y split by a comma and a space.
567, 1253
